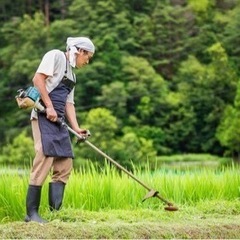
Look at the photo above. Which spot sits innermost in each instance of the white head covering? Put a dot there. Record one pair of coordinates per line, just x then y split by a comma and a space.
78, 42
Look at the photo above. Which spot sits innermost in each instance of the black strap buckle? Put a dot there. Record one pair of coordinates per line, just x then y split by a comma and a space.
68, 83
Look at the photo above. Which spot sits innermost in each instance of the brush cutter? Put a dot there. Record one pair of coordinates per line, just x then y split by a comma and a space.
151, 193
29, 98
34, 96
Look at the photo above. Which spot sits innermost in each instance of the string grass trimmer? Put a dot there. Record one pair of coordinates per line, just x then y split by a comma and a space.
30, 99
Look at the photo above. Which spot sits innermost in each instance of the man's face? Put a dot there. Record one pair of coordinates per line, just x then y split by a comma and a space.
83, 58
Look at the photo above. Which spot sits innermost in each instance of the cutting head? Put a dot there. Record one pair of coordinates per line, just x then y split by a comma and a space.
171, 208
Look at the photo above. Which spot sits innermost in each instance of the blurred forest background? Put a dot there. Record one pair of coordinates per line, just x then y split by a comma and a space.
164, 79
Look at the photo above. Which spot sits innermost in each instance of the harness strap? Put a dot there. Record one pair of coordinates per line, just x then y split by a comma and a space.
66, 81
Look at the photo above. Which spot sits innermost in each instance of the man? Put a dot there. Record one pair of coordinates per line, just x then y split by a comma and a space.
55, 81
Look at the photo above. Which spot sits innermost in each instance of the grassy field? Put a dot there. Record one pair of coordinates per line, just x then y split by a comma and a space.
106, 204
206, 220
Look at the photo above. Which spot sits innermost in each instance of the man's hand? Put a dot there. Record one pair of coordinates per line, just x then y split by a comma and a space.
51, 114
84, 133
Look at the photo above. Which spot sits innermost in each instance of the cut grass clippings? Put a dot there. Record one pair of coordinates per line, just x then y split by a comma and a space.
207, 220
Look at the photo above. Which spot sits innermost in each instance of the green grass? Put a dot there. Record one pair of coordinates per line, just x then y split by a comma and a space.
191, 157
95, 189
104, 203
190, 161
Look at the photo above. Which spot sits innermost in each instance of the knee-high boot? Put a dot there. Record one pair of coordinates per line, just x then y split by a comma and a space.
32, 204
55, 194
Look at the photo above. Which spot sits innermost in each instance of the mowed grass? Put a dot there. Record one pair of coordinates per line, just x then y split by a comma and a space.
205, 220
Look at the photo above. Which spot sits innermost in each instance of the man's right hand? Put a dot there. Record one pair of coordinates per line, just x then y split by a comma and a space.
51, 114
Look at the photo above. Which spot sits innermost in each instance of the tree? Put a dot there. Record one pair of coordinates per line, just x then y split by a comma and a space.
143, 85
103, 126
133, 149
230, 36
19, 60
126, 148
22, 60
208, 90
228, 132
19, 152
114, 97
166, 70
171, 26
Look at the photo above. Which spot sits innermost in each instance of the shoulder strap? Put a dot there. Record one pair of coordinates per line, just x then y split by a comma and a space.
65, 80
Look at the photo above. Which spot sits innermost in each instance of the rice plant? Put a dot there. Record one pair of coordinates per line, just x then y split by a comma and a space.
92, 188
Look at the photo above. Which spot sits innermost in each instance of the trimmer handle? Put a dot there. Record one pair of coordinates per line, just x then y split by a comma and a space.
84, 137
80, 137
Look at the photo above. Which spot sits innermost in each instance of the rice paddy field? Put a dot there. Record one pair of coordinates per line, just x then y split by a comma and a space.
105, 203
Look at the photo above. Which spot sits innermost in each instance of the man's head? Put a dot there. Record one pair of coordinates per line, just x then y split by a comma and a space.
80, 50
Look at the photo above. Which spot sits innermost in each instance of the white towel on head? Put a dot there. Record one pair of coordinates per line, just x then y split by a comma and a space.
72, 56
78, 42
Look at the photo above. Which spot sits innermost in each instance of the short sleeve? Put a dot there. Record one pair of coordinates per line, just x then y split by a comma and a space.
48, 63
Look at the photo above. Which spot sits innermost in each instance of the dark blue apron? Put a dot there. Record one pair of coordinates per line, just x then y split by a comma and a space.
56, 141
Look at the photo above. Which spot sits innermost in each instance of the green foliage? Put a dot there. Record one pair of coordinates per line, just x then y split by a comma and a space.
208, 89
171, 24
142, 82
25, 47
114, 96
103, 126
179, 123
59, 31
231, 35
165, 70
127, 149
19, 152
133, 149
228, 129
200, 6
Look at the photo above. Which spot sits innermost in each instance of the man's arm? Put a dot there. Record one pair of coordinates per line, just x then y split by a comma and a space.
39, 82
72, 119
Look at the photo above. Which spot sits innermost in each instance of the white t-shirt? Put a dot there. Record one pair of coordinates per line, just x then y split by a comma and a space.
54, 64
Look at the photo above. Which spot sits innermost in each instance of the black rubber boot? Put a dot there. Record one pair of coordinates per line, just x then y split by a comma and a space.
55, 194
32, 204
